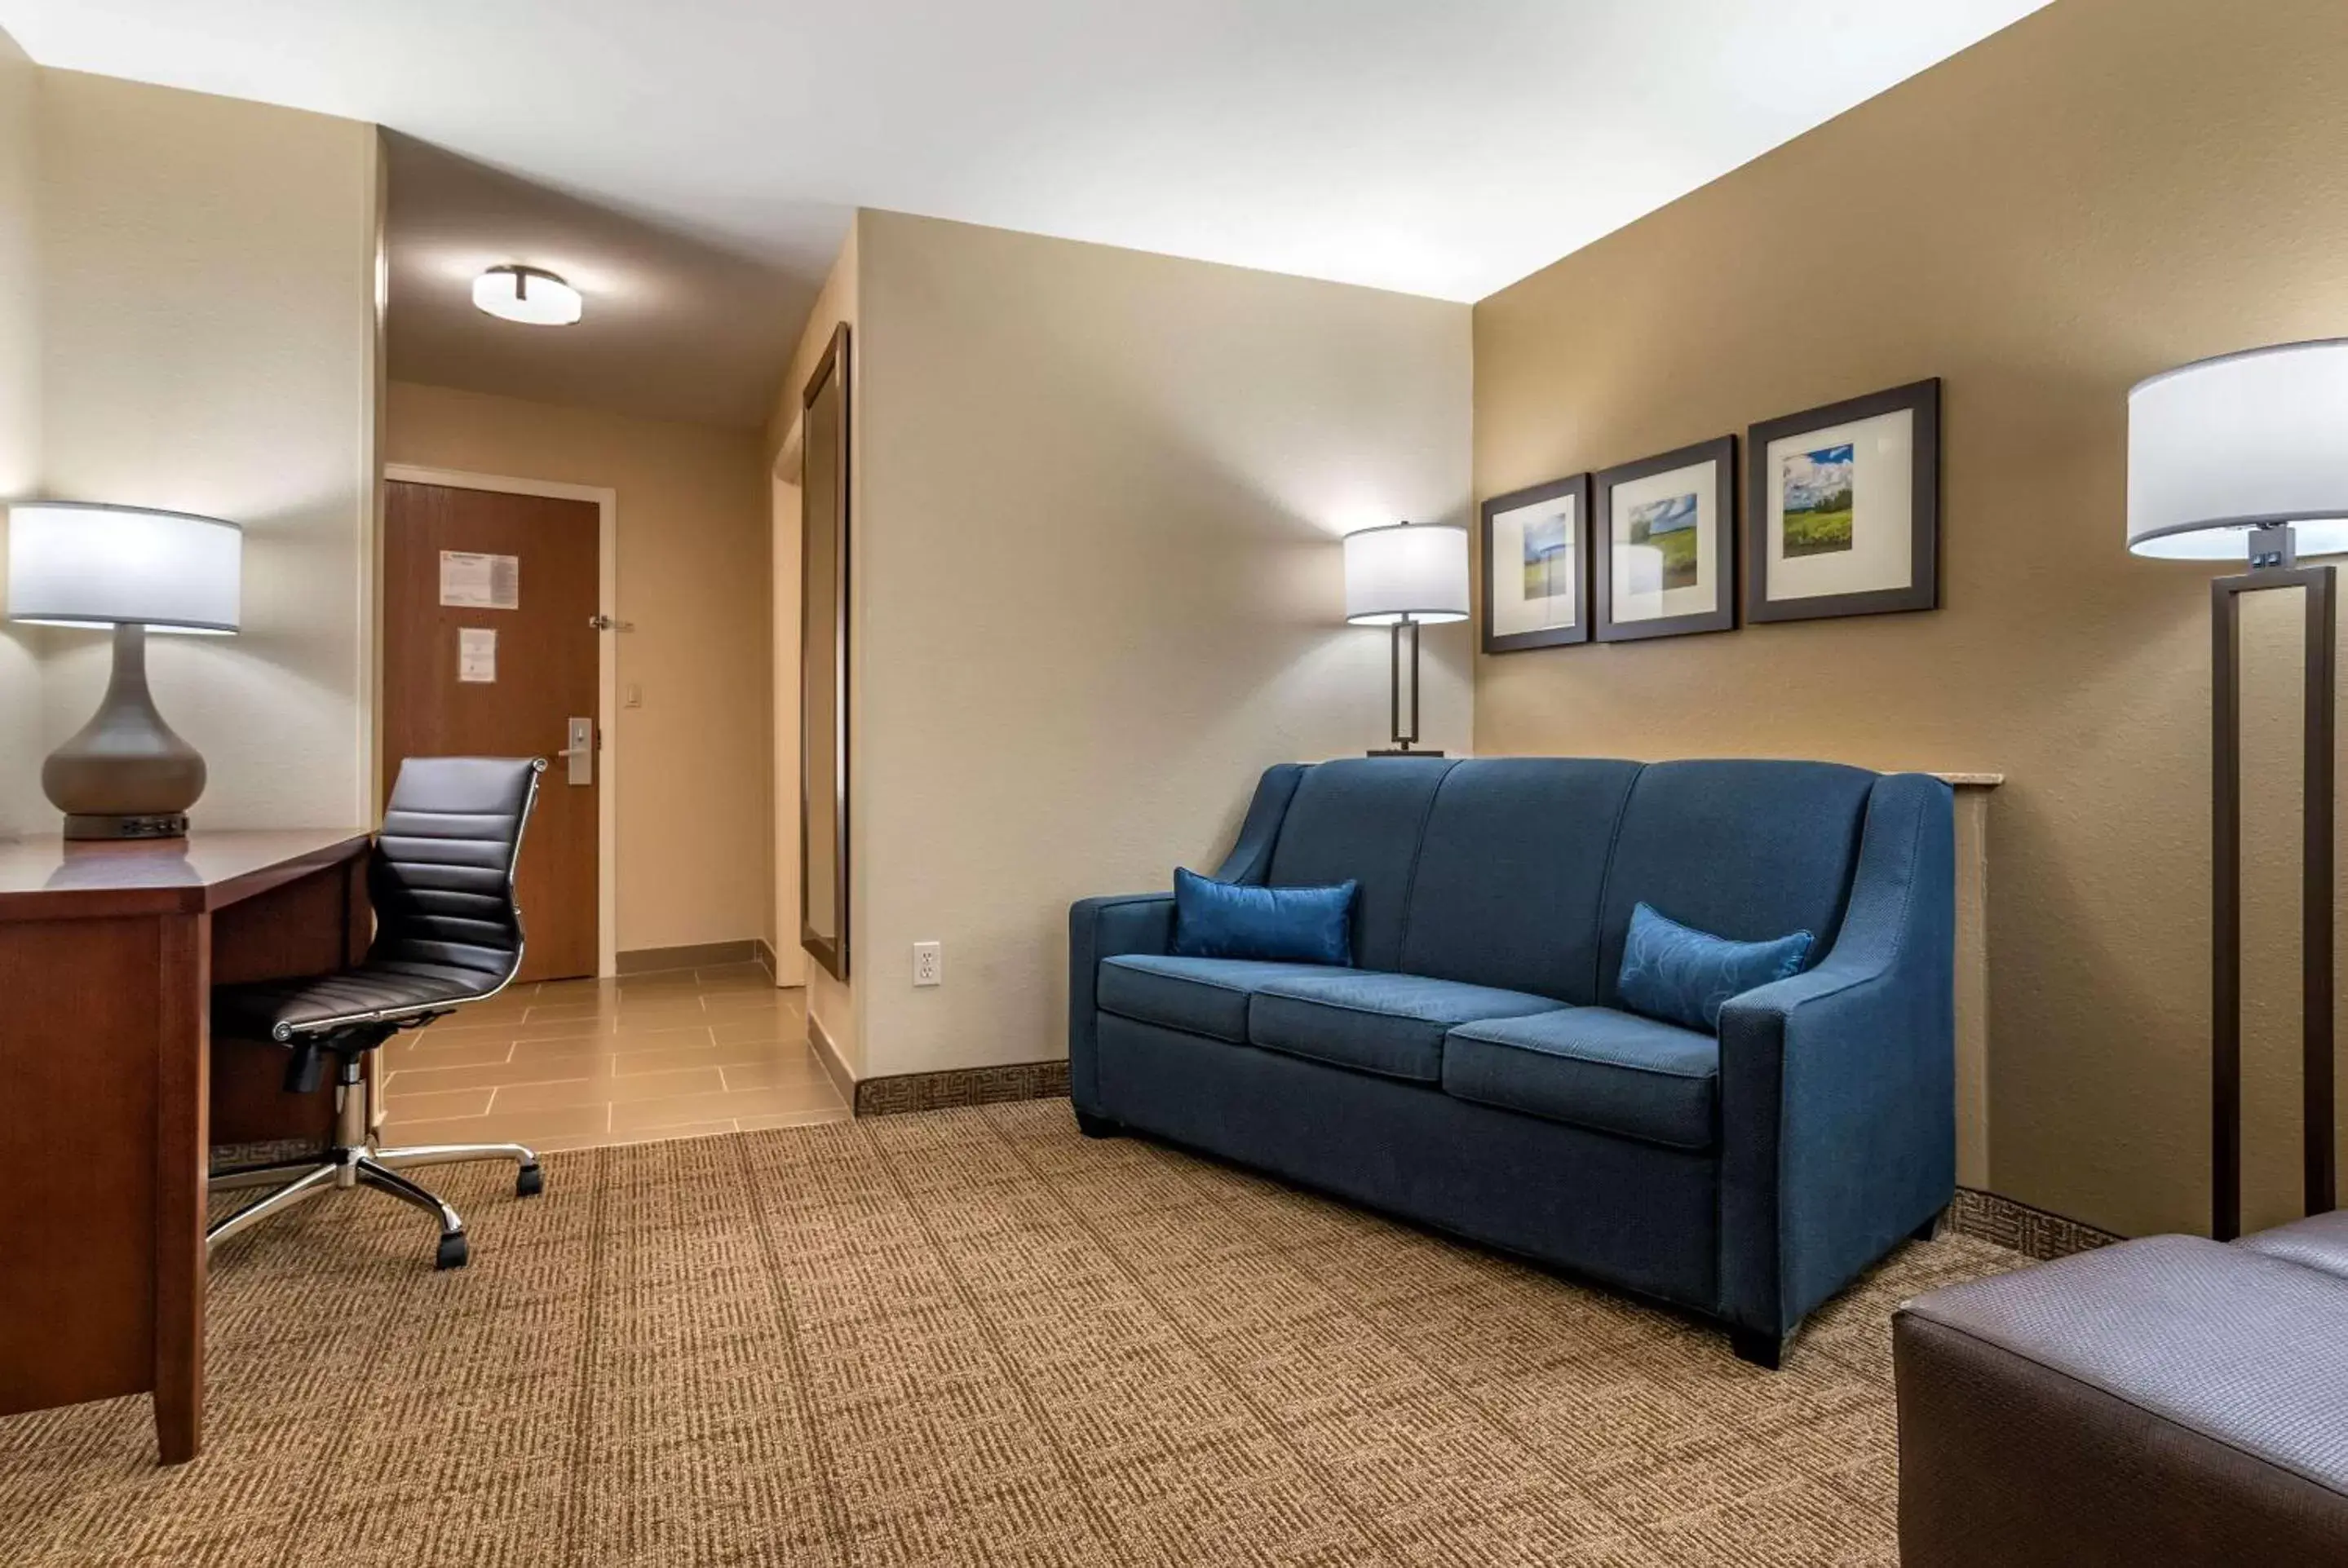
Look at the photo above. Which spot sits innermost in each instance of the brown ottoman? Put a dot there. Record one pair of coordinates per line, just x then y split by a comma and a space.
2163, 1403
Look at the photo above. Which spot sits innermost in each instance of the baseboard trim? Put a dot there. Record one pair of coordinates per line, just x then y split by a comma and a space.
699, 955
835, 1066
766, 957
2033, 1233
895, 1096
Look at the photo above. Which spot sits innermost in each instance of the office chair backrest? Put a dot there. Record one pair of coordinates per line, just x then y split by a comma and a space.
441, 877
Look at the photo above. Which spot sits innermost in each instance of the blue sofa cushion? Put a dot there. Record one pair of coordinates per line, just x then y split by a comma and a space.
1592, 1067
1358, 819
1204, 996
1293, 925
1510, 872
1684, 976
1748, 850
1392, 1024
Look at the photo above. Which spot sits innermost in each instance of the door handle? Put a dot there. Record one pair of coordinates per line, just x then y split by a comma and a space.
579, 755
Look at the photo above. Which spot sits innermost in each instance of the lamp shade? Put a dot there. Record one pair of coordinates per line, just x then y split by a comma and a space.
2246, 440
1406, 572
71, 564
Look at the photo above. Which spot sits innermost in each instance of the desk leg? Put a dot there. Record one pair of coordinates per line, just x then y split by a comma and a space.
182, 1148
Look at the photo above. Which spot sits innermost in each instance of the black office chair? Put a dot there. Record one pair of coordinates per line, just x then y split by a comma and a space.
447, 931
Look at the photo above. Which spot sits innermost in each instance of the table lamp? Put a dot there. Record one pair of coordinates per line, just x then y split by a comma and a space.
124, 774
2245, 457
1405, 576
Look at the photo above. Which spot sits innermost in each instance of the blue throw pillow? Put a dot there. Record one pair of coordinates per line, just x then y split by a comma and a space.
1227, 920
1683, 976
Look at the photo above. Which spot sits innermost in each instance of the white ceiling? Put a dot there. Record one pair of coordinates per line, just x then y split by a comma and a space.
1438, 146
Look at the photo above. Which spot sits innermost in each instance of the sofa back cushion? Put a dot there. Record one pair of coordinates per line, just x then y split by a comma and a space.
1510, 869
1359, 819
1747, 850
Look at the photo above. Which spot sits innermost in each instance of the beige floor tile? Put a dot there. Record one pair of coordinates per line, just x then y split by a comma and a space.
421, 1049
610, 1091
440, 1104
724, 1106
837, 1112
420, 1078
673, 1057
737, 1028
510, 1126
549, 1012
784, 1072
440, 1035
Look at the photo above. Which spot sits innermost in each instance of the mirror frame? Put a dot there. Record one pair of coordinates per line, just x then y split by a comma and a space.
831, 378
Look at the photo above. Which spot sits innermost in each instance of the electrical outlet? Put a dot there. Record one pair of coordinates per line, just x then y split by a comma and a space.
929, 964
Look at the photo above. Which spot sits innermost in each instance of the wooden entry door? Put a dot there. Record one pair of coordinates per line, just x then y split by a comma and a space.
504, 678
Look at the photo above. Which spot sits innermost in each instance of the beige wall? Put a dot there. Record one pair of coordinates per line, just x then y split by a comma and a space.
1100, 588
21, 806
2109, 187
831, 1003
693, 762
206, 334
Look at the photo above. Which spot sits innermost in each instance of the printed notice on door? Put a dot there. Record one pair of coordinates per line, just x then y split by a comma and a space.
469, 580
477, 655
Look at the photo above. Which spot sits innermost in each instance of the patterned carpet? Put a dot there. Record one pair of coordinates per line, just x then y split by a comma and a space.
965, 1337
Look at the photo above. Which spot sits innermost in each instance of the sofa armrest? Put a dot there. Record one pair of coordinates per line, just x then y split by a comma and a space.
1838, 1086
1100, 928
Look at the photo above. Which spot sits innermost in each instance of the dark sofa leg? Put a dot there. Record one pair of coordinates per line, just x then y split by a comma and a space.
1092, 1126
1930, 1229
1763, 1350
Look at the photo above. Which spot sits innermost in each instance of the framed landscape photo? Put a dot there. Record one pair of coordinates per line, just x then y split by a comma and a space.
1842, 509
1536, 567
1665, 553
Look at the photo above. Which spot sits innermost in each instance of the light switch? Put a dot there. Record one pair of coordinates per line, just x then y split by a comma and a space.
633, 697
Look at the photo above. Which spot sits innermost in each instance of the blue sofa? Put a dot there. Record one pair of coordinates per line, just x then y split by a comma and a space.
1475, 1073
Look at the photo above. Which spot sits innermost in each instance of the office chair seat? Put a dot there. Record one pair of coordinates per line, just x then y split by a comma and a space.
447, 932
365, 993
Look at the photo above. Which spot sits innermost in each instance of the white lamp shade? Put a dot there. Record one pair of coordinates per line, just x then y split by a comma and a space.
528, 295
76, 565
2247, 440
1408, 572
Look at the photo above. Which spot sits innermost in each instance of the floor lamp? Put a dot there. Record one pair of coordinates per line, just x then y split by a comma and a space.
2253, 447
1403, 577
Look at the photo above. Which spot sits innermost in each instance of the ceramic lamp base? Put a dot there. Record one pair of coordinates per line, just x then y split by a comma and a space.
169, 825
125, 775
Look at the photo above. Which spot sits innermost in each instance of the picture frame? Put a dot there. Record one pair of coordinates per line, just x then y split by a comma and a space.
1664, 532
1536, 554
1842, 508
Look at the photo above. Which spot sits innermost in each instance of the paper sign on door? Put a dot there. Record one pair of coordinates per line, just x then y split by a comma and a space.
469, 580
477, 654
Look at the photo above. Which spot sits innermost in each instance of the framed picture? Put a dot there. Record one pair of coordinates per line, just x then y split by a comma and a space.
1536, 567
1666, 544
1842, 509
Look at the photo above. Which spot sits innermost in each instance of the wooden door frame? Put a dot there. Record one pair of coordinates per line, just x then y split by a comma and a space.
607, 669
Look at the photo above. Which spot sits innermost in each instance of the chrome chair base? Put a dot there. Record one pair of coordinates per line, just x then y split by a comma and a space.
354, 1161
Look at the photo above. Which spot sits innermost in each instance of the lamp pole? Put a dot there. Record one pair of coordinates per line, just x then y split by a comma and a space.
2274, 564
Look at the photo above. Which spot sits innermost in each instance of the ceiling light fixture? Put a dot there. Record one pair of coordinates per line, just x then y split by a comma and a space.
530, 295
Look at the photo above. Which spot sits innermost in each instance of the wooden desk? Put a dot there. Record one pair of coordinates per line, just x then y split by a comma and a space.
110, 1095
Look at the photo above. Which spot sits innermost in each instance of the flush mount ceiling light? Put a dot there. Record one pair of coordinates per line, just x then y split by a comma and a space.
527, 295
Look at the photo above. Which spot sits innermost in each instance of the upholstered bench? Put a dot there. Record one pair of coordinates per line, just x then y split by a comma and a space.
2171, 1402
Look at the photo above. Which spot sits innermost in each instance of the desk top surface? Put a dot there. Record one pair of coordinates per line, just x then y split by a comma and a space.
44, 877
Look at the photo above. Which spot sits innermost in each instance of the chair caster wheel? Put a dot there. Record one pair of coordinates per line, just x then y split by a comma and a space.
452, 1252
530, 1182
